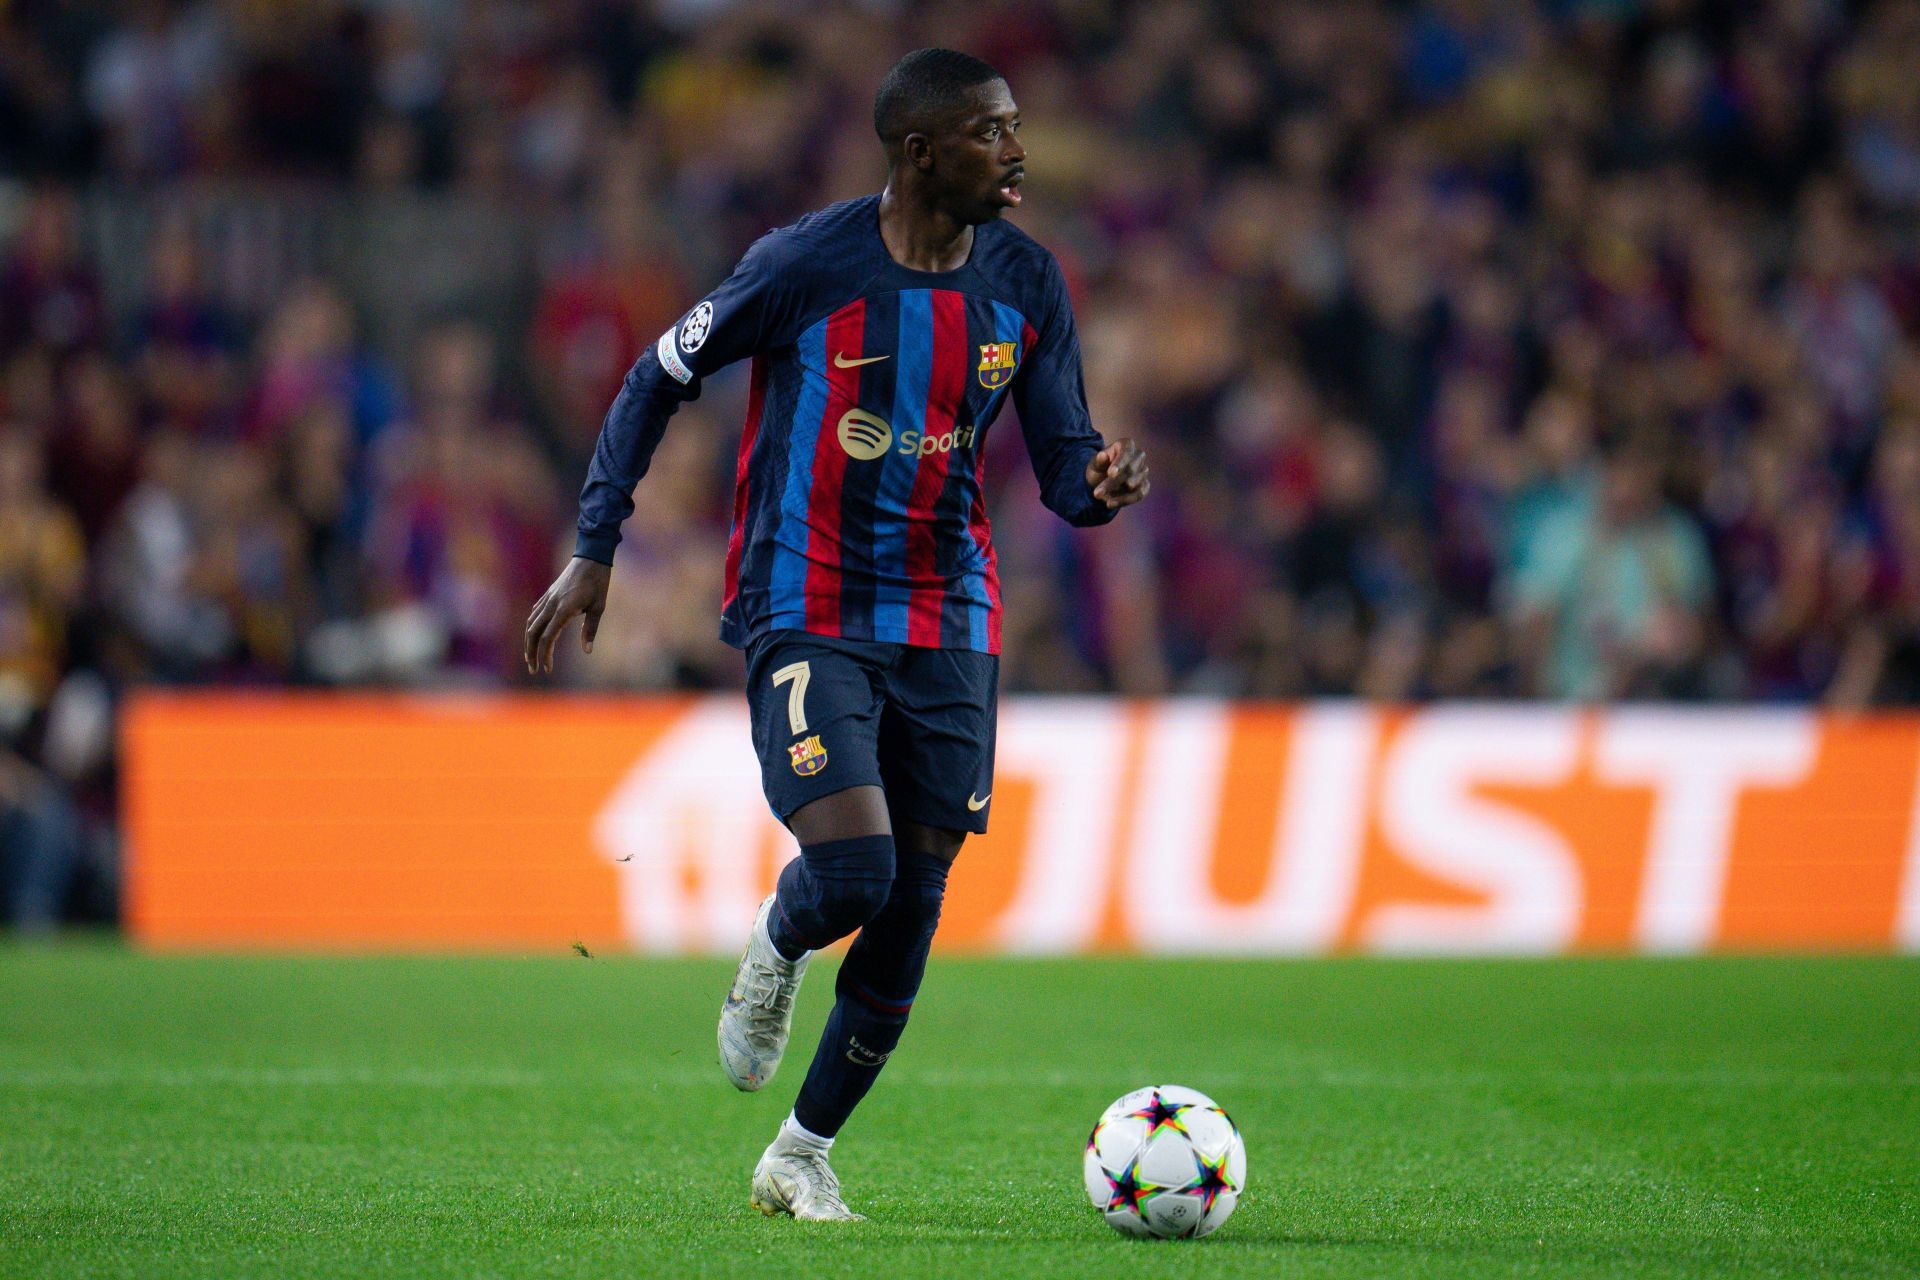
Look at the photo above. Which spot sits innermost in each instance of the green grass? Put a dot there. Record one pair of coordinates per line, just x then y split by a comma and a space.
414, 1117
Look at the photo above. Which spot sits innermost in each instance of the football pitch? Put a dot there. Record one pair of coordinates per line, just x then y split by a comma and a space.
208, 1116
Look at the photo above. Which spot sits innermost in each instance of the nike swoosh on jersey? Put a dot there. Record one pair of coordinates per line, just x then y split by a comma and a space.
977, 805
840, 360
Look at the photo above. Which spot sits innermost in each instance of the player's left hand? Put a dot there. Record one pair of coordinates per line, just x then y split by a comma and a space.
580, 591
1118, 473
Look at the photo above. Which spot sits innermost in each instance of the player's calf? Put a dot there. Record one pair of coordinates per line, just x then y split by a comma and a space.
874, 991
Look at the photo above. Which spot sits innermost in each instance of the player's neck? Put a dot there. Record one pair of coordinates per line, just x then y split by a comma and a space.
920, 236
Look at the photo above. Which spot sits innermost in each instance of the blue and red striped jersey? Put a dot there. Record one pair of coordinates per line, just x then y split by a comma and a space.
857, 505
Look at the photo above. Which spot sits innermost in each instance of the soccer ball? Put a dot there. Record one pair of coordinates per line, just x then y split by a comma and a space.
1165, 1161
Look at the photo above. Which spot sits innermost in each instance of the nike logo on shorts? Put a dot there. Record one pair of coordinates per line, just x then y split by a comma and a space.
977, 805
840, 361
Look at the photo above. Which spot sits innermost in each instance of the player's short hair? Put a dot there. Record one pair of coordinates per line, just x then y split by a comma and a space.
924, 88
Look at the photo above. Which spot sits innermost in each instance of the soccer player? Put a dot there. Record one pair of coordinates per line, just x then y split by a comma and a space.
886, 333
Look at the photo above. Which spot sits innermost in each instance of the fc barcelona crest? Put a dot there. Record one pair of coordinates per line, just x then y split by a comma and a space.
809, 757
997, 360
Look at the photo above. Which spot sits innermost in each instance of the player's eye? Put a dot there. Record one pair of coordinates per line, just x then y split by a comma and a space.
993, 131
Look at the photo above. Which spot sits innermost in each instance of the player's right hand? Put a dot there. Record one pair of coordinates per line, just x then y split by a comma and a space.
581, 589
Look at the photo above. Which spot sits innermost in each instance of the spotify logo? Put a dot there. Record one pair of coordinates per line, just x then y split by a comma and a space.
864, 435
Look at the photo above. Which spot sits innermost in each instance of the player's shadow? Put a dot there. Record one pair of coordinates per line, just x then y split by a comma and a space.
1233, 1235
1269, 1237
1251, 1236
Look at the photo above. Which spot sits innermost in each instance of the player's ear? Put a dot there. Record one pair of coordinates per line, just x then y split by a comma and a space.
918, 148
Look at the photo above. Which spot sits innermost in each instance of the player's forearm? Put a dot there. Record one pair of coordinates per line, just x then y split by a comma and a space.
629, 434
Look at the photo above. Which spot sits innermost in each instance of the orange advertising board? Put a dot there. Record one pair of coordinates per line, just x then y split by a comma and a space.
396, 821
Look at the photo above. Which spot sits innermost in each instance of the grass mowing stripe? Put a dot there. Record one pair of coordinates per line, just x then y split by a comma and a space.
336, 1077
438, 1116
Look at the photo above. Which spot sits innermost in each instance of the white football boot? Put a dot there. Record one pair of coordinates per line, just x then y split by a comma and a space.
758, 1015
794, 1178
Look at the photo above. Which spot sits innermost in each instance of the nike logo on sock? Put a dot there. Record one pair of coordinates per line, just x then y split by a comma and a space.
977, 805
840, 360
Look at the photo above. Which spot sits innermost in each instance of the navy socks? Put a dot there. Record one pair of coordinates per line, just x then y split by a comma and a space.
875, 991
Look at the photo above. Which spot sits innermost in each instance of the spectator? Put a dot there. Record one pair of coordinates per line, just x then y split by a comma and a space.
49, 295
1483, 350
1611, 600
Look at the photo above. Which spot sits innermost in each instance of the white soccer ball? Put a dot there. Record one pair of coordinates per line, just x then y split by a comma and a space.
1165, 1161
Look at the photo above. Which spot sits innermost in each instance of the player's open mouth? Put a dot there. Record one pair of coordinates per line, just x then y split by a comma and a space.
1010, 189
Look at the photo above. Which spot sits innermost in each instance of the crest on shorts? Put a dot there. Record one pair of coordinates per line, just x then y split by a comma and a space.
809, 757
997, 360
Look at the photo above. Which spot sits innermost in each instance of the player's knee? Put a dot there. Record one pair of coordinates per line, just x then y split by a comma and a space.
891, 952
920, 883
854, 901
853, 878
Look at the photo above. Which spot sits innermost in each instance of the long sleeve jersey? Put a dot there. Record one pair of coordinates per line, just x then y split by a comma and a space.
857, 505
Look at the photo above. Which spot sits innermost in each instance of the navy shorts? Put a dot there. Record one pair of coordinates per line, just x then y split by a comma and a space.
829, 714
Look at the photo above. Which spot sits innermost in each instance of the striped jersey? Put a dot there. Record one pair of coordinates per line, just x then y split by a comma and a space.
857, 504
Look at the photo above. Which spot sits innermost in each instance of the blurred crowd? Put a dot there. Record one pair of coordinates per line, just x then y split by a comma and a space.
1482, 348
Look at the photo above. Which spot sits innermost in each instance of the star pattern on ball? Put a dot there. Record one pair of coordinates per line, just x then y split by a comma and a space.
1128, 1191
1093, 1138
1162, 1114
1212, 1181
